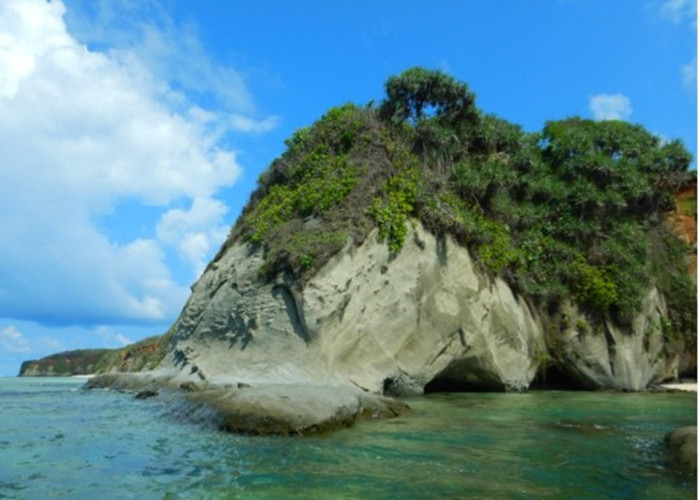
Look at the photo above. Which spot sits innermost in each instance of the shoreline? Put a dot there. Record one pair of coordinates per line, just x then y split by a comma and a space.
681, 386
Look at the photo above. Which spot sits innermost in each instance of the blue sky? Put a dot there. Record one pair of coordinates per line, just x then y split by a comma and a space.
133, 131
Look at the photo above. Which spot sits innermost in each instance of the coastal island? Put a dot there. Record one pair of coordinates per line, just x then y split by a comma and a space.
421, 245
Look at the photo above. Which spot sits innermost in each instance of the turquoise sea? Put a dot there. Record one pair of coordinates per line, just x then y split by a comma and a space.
58, 441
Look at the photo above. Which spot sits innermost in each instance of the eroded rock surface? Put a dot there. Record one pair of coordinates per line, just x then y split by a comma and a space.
425, 318
272, 356
289, 409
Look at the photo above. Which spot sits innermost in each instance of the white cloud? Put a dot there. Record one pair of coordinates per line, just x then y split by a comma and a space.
677, 11
80, 132
47, 344
194, 232
15, 342
610, 107
244, 124
174, 52
12, 340
689, 74
112, 338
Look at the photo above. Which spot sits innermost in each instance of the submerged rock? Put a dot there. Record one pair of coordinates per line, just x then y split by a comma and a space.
146, 394
682, 445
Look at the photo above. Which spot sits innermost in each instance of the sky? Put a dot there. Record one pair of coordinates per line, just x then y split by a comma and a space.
132, 132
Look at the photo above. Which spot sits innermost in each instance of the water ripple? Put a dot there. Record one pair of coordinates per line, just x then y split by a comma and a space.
59, 443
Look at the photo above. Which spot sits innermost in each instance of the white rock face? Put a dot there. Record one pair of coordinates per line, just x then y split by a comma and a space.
613, 358
424, 313
426, 317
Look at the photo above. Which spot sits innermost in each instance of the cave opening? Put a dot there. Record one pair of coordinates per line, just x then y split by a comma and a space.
554, 378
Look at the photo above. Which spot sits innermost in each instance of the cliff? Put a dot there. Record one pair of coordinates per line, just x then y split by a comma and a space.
421, 246
77, 362
425, 319
143, 355
683, 219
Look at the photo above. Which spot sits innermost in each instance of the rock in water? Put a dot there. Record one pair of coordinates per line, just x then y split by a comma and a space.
289, 408
682, 445
146, 394
294, 409
270, 355
330, 288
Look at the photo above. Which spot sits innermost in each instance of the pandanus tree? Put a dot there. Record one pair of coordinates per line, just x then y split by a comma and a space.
439, 110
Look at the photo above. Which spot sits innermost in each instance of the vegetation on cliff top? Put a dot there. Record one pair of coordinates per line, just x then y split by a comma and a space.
145, 354
574, 211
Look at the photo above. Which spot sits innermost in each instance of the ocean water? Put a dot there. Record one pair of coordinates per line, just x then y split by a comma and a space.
58, 441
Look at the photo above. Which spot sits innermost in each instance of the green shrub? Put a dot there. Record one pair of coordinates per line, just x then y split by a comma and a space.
574, 212
593, 286
392, 208
324, 180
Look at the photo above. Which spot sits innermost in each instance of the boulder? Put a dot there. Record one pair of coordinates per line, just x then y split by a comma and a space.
682, 445
146, 394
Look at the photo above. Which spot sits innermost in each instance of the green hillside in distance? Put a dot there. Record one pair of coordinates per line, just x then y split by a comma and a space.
143, 355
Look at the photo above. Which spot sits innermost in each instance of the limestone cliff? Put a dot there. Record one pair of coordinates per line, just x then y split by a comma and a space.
424, 319
422, 245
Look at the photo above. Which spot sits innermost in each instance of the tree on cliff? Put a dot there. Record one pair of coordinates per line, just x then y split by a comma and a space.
418, 93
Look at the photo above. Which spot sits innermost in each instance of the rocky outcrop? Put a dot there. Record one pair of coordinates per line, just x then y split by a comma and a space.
260, 354
610, 357
682, 445
304, 298
425, 319
288, 409
145, 354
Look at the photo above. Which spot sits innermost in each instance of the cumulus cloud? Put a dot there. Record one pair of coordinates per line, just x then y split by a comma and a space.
12, 340
170, 50
610, 107
194, 232
82, 130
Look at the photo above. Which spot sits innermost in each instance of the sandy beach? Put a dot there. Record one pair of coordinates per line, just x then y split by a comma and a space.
682, 386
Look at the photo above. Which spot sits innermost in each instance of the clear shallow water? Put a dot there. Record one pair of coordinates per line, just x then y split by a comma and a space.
60, 442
